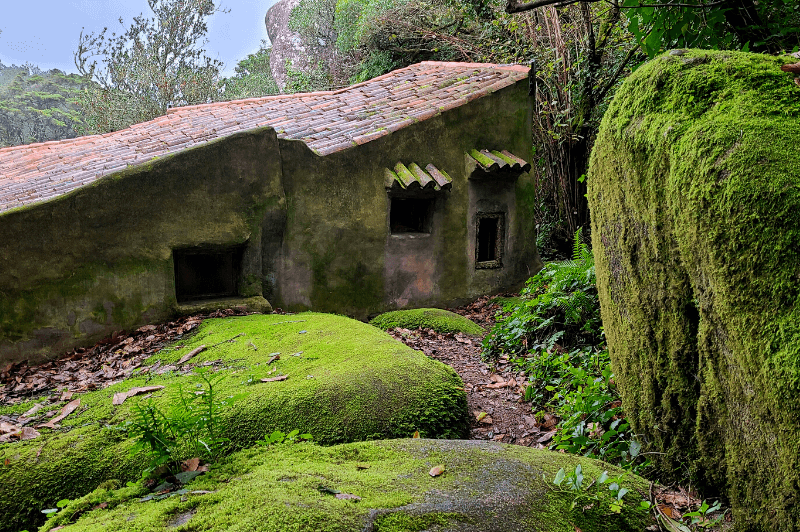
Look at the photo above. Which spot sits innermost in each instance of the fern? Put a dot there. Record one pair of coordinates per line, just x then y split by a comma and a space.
560, 307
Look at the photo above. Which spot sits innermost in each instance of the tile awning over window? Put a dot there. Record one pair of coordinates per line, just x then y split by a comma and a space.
490, 164
413, 178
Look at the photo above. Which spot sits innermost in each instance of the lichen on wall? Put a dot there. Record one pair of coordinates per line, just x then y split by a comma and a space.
694, 190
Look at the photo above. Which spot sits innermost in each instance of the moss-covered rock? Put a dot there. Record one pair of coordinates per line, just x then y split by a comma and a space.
695, 195
439, 320
486, 486
347, 381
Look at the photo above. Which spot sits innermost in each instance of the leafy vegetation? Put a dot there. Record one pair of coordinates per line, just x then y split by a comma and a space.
554, 334
559, 305
253, 77
193, 420
154, 64
37, 105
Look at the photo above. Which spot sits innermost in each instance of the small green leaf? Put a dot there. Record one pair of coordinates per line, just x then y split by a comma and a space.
559, 477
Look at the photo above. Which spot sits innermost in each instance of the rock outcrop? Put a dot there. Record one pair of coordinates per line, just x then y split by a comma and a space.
377, 486
339, 379
694, 188
287, 45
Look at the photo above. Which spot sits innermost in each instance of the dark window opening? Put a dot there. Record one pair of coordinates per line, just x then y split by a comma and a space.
488, 248
408, 215
206, 274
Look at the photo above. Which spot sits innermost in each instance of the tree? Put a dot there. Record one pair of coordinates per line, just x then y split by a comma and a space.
156, 63
253, 77
37, 106
769, 26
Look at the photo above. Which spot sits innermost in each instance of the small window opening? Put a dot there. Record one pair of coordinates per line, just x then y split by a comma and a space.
206, 274
488, 249
410, 215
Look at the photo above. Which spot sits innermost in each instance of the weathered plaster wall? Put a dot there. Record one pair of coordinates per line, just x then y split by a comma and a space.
694, 189
75, 269
338, 253
99, 259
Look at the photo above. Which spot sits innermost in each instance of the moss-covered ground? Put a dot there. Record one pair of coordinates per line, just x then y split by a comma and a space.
442, 321
486, 486
694, 187
347, 381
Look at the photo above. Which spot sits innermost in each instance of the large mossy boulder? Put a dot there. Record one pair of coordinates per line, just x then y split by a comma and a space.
486, 487
694, 189
347, 381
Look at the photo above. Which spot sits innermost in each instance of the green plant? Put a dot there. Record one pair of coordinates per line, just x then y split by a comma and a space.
192, 420
585, 497
280, 437
560, 306
700, 518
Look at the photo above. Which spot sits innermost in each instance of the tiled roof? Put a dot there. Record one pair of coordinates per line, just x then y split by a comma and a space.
494, 163
326, 121
413, 178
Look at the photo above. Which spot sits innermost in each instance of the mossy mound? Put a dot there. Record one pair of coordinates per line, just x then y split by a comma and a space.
694, 187
486, 486
442, 321
347, 381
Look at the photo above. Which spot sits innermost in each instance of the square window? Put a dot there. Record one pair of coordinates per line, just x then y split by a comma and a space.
410, 215
206, 273
489, 240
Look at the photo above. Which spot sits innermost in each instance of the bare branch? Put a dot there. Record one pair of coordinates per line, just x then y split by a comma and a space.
513, 7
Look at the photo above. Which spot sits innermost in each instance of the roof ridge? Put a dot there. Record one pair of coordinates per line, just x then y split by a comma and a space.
489, 66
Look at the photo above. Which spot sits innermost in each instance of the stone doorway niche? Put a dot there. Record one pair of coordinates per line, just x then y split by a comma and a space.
207, 272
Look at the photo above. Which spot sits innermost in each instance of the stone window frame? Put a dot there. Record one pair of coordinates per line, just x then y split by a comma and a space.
497, 262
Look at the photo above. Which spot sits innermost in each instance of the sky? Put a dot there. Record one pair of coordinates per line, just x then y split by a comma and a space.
45, 32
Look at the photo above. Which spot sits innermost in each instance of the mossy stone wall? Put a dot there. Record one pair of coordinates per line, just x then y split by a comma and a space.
314, 230
694, 189
338, 253
99, 259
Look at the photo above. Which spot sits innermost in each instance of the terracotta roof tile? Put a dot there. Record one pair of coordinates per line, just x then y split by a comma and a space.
327, 121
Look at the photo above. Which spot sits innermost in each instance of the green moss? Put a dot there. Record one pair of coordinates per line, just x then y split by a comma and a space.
349, 382
695, 194
442, 321
487, 486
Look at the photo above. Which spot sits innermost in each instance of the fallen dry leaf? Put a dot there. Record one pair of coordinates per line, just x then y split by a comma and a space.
33, 410
275, 379
436, 471
28, 433
494, 377
190, 465
496, 385
416, 434
546, 437
192, 353
273, 358
480, 415
363, 466
67, 410
120, 397
66, 396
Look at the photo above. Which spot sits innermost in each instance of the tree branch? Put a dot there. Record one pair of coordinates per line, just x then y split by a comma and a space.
513, 7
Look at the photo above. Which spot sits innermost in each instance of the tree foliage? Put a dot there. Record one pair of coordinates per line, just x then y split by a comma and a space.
770, 26
253, 77
156, 63
36, 105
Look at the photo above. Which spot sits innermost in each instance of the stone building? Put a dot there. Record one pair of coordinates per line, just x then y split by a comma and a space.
409, 189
